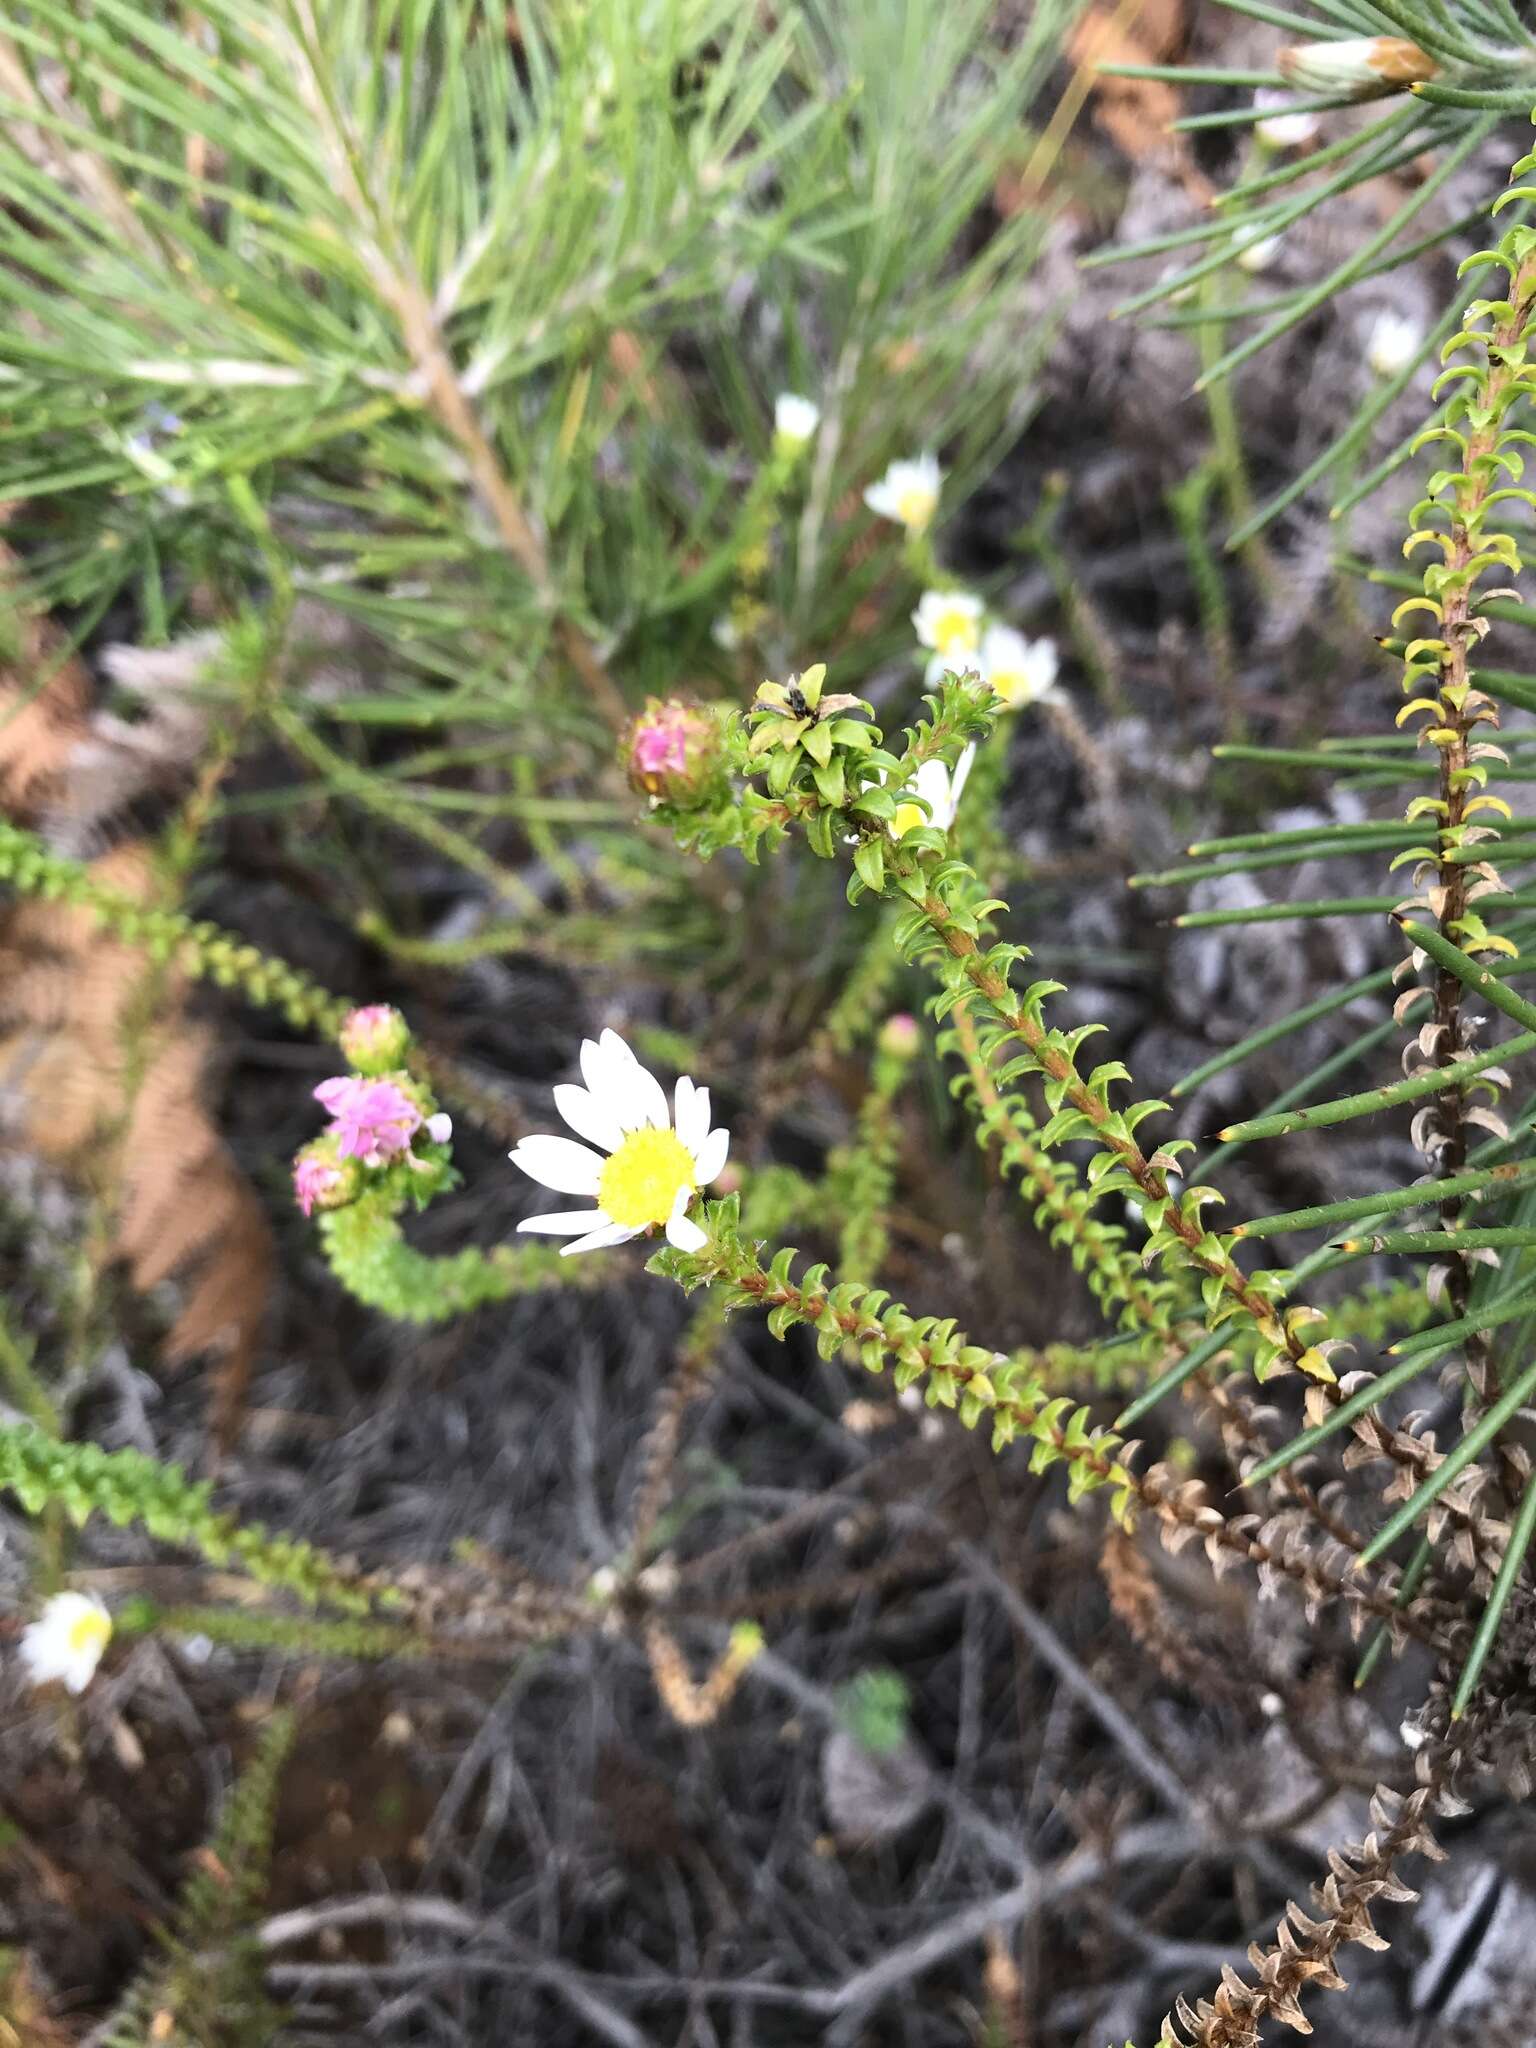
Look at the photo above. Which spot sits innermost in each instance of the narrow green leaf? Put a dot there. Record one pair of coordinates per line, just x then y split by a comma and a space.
1469, 972
1175, 1376
1410, 1243
1317, 757
1444, 1335
1476, 1439
1358, 1403
1498, 1599
1422, 1195
1283, 913
1282, 1027
1324, 846
1408, 1585
1389, 833
1346, 1107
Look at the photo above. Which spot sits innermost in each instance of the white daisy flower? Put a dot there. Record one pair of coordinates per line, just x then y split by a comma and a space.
1020, 671
940, 790
657, 1158
908, 493
1391, 342
795, 421
66, 1640
949, 621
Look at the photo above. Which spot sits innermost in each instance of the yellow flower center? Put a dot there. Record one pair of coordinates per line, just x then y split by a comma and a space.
956, 631
641, 1180
89, 1632
907, 819
1009, 683
914, 506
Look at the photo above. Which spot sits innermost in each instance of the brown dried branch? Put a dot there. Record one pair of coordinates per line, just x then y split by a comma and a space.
658, 1454
1304, 1951
1139, 1602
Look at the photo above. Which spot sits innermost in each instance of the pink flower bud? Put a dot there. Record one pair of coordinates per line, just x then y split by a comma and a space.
672, 751
319, 1181
375, 1038
901, 1035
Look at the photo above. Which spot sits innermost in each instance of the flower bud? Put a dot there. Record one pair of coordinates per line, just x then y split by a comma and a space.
1280, 128
322, 1179
900, 1035
1391, 343
672, 751
1361, 68
374, 1039
795, 421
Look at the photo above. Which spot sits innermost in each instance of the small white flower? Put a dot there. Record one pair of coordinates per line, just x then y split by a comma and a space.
657, 1158
440, 1127
726, 633
1257, 252
1282, 129
949, 621
908, 493
795, 421
1020, 671
1391, 343
66, 1640
940, 790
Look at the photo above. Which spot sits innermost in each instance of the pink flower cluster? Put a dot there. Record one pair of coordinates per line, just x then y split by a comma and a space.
374, 1120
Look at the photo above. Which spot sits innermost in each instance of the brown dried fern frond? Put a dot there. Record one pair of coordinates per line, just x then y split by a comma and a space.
101, 1071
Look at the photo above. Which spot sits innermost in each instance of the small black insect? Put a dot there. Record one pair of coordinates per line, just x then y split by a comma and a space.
796, 700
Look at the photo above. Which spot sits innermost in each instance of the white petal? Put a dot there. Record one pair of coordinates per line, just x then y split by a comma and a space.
606, 1065
599, 1240
559, 1163
794, 417
638, 1098
588, 1117
681, 1231
709, 1157
564, 1222
594, 1065
932, 781
962, 772
692, 1106
38, 1653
